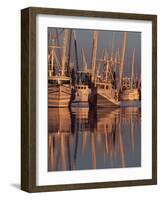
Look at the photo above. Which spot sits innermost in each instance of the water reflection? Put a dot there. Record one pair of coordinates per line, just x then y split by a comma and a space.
103, 138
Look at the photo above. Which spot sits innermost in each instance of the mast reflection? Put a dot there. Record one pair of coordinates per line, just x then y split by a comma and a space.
93, 139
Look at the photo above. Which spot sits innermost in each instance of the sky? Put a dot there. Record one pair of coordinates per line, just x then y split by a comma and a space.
105, 37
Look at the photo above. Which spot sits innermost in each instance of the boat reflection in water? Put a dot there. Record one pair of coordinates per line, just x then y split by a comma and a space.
104, 138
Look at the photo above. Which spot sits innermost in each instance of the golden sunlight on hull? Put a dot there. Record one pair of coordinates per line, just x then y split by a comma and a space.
59, 96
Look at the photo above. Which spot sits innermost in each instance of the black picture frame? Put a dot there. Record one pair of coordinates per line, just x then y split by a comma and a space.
28, 98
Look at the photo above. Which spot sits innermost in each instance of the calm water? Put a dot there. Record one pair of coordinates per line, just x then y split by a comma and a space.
81, 139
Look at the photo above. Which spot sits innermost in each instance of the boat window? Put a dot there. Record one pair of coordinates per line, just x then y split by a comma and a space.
65, 82
55, 82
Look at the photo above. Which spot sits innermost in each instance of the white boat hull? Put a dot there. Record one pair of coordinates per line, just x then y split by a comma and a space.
81, 96
104, 102
59, 96
107, 98
129, 95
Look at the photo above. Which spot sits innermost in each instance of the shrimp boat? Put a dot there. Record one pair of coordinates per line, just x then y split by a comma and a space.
81, 91
103, 88
107, 95
59, 81
129, 93
81, 96
129, 86
81, 88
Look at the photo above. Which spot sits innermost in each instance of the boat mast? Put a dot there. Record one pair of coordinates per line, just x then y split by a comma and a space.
64, 51
58, 44
112, 48
76, 50
136, 73
107, 67
122, 57
69, 52
84, 61
57, 60
52, 61
94, 52
115, 61
51, 57
132, 65
76, 58
102, 60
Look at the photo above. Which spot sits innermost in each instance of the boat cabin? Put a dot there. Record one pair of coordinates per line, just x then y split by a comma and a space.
81, 87
59, 80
